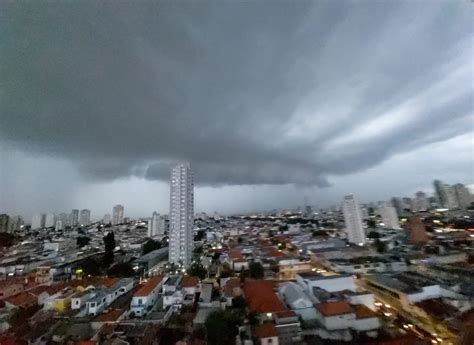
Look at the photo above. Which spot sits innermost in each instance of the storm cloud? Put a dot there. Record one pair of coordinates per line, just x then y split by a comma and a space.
251, 93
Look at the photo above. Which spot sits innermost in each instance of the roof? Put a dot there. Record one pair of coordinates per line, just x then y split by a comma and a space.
364, 312
235, 254
148, 286
189, 281
108, 282
334, 308
230, 285
261, 298
437, 308
265, 330
21, 299
112, 315
49, 289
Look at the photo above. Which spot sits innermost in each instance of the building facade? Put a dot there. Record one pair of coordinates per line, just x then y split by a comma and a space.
389, 217
117, 214
74, 218
353, 220
181, 214
85, 217
156, 225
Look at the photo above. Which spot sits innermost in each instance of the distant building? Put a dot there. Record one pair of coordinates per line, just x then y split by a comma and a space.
50, 220
64, 218
37, 222
417, 231
85, 217
463, 196
420, 202
6, 223
117, 215
181, 215
353, 220
107, 219
59, 225
156, 225
389, 217
446, 195
74, 218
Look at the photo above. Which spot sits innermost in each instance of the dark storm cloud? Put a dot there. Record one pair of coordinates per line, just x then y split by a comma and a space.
250, 92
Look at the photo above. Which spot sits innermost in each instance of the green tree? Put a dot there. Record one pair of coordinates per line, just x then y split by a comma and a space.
150, 246
373, 234
82, 241
222, 327
109, 243
380, 246
256, 270
371, 223
121, 270
91, 266
198, 270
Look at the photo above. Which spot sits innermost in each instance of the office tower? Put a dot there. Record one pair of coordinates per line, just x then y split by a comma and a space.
446, 195
50, 220
107, 219
59, 225
5, 223
37, 221
117, 215
417, 231
74, 221
353, 220
156, 225
85, 217
420, 202
389, 217
463, 196
181, 214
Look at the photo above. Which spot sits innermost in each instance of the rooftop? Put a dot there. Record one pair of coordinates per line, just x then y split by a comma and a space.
261, 298
148, 286
334, 308
189, 281
363, 312
265, 330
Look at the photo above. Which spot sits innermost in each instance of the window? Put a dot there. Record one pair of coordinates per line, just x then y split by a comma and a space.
140, 301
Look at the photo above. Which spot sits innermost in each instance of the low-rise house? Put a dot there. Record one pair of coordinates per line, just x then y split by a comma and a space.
368, 264
231, 288
189, 286
60, 301
80, 298
23, 300
294, 296
310, 280
266, 334
146, 296
8, 288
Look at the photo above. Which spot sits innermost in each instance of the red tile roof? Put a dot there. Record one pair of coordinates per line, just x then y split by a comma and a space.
334, 308
108, 282
23, 299
363, 312
148, 286
265, 330
189, 281
261, 298
235, 254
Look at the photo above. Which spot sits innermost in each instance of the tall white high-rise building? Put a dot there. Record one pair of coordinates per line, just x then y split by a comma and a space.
50, 220
74, 218
463, 196
156, 225
58, 225
353, 220
37, 221
117, 215
389, 217
181, 214
420, 203
85, 217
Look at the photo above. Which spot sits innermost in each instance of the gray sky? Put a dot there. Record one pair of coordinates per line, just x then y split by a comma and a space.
270, 101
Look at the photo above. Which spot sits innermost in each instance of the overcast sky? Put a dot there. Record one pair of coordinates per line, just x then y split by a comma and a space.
270, 101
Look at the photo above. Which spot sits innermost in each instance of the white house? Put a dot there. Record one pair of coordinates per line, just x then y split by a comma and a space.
294, 296
308, 280
145, 297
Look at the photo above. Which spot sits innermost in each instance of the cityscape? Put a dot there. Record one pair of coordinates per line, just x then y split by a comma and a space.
237, 172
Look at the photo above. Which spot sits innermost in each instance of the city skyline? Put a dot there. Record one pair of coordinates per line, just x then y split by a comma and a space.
311, 121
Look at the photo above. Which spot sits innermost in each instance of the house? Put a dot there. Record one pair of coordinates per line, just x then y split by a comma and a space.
98, 299
237, 261
189, 287
294, 296
23, 300
79, 299
266, 334
146, 296
231, 288
9, 288
43, 292
310, 280
59, 301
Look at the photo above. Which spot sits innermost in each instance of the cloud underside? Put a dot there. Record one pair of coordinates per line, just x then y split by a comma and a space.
248, 92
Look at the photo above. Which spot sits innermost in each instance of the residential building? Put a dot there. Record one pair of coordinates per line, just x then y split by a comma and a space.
181, 215
85, 217
353, 220
417, 231
58, 225
463, 195
389, 217
446, 195
74, 218
146, 296
6, 223
50, 220
37, 222
107, 218
117, 214
420, 202
156, 225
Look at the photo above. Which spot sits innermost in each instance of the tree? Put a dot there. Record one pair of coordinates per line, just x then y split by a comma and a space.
222, 327
91, 266
109, 243
379, 246
82, 241
373, 234
198, 270
226, 271
121, 270
371, 223
150, 246
256, 270
6, 239
200, 235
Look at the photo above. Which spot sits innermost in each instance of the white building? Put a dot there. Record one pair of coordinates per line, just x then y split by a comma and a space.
50, 220
146, 297
74, 218
107, 219
156, 225
117, 215
59, 225
389, 217
353, 220
85, 217
463, 196
37, 221
181, 215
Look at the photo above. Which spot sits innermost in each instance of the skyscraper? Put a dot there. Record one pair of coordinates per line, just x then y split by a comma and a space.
417, 231
74, 218
85, 217
156, 225
5, 223
353, 220
420, 202
181, 214
59, 225
50, 220
446, 195
389, 217
117, 215
37, 221
463, 196
107, 219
